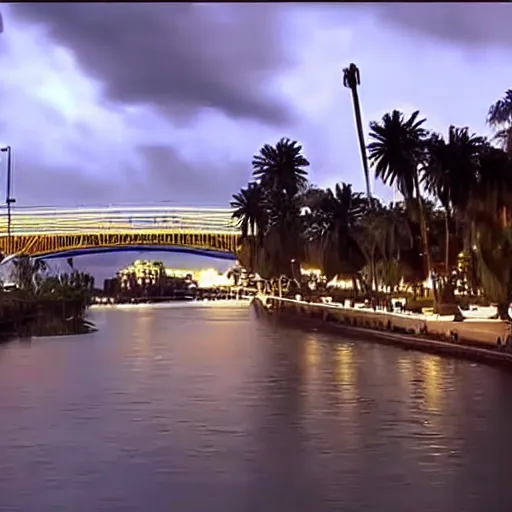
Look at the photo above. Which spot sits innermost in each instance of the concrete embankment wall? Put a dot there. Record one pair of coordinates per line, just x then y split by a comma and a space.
408, 331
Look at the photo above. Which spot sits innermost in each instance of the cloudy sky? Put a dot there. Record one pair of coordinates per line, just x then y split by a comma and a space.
146, 103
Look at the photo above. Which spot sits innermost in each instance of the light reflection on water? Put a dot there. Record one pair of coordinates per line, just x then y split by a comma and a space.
212, 409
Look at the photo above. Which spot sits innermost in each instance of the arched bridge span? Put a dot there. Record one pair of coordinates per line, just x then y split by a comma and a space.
52, 233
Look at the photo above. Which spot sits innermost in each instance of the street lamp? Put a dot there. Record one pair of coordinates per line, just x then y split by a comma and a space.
8, 200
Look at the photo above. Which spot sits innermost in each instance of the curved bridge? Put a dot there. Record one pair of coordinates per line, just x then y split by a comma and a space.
67, 232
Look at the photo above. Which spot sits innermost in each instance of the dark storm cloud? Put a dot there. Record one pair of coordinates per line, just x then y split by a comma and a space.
170, 177
470, 24
167, 178
36, 184
178, 57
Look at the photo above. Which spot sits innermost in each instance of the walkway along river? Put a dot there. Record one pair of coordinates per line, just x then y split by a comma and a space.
481, 340
203, 408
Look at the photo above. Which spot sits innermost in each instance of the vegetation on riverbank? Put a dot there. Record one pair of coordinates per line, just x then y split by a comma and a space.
44, 304
453, 224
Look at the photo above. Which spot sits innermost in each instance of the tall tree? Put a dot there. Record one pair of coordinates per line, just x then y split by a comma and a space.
500, 118
490, 226
493, 246
351, 80
281, 176
333, 229
398, 151
281, 169
249, 209
391, 230
494, 186
450, 174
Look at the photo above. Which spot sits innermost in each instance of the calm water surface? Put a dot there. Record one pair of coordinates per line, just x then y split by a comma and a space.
188, 409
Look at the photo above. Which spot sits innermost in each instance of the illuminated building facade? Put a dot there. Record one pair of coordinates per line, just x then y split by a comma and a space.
151, 279
141, 273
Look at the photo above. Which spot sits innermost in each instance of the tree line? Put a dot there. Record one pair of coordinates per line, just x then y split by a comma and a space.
34, 280
452, 224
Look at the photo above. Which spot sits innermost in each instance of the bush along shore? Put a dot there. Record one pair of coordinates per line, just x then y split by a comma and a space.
42, 304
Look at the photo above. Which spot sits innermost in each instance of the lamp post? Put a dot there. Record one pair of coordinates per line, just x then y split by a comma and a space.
8, 200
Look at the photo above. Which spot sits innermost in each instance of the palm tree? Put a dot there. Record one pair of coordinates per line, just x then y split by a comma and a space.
282, 176
336, 218
500, 118
351, 80
281, 169
491, 234
248, 209
341, 210
450, 174
493, 244
398, 151
494, 186
391, 232
397, 234
311, 197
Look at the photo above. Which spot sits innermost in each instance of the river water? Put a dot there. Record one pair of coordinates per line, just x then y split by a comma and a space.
205, 408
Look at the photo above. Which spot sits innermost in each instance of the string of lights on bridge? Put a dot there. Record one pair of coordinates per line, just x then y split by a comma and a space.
28, 220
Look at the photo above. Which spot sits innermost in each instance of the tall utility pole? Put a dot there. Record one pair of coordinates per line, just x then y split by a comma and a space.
351, 80
1, 31
8, 200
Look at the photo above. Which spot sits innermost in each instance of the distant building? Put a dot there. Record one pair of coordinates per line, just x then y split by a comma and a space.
140, 273
151, 278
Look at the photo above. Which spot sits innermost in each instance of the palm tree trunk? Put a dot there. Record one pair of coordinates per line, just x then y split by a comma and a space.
360, 135
354, 285
447, 243
508, 147
504, 217
375, 286
424, 235
252, 251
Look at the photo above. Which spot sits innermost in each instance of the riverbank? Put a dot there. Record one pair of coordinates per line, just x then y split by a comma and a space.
199, 294
215, 303
26, 317
417, 332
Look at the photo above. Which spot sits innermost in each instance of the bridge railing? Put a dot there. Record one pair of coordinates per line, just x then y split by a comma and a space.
122, 219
